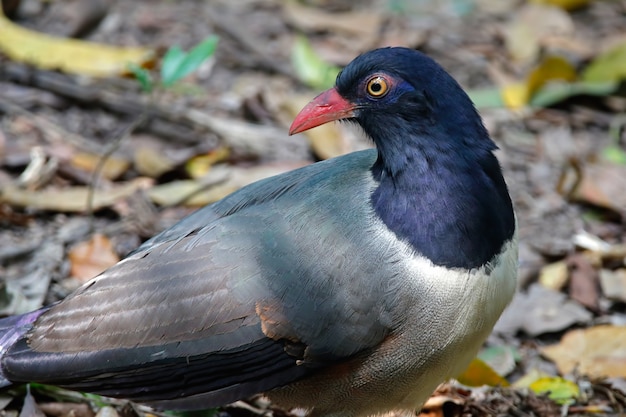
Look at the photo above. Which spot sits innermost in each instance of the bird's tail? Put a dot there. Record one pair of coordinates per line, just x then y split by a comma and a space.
11, 329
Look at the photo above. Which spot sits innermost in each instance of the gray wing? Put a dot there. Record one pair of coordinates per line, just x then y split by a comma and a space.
245, 295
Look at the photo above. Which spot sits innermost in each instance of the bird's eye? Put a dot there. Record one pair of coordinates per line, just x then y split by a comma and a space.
377, 86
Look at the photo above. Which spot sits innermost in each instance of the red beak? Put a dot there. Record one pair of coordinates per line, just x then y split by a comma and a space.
324, 108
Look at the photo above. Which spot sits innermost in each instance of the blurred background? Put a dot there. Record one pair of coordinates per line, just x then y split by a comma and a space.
118, 118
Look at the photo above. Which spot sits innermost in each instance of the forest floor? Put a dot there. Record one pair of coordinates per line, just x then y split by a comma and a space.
225, 125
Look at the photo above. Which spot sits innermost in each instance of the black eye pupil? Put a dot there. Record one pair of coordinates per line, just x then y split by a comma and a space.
377, 87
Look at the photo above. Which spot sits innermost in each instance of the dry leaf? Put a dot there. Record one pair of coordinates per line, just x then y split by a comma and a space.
525, 33
90, 258
541, 310
112, 168
249, 140
496, 7
69, 199
583, 284
30, 407
554, 275
434, 406
521, 42
601, 185
107, 411
596, 352
188, 192
151, 162
68, 55
613, 284
217, 184
356, 23
68, 409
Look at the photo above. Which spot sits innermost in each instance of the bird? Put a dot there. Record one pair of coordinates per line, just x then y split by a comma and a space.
349, 287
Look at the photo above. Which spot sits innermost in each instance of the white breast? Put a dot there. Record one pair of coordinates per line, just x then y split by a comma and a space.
452, 313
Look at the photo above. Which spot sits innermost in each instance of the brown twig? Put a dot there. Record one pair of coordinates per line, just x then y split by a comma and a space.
93, 184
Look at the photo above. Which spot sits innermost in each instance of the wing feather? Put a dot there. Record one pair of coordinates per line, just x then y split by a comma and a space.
229, 302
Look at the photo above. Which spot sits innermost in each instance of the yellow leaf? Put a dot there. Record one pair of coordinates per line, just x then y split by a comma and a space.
198, 166
112, 168
559, 390
68, 55
552, 68
564, 4
478, 373
554, 275
515, 96
533, 375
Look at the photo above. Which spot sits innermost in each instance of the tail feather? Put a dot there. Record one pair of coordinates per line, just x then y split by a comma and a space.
11, 330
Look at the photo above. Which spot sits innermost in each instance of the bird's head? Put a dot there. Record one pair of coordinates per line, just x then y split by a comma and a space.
402, 99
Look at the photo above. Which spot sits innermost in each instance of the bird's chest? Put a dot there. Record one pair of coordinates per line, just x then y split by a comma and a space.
449, 315
449, 217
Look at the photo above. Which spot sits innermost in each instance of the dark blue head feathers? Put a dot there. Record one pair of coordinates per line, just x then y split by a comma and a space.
440, 186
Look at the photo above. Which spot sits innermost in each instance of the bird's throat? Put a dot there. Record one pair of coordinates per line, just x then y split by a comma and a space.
454, 218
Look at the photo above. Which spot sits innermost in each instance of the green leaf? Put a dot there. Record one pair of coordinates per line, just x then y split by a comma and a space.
614, 154
98, 400
143, 77
557, 92
310, 68
486, 98
558, 389
63, 395
546, 96
196, 57
501, 359
183, 64
609, 66
171, 61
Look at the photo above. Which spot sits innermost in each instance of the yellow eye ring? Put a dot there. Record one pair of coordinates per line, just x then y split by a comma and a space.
377, 86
